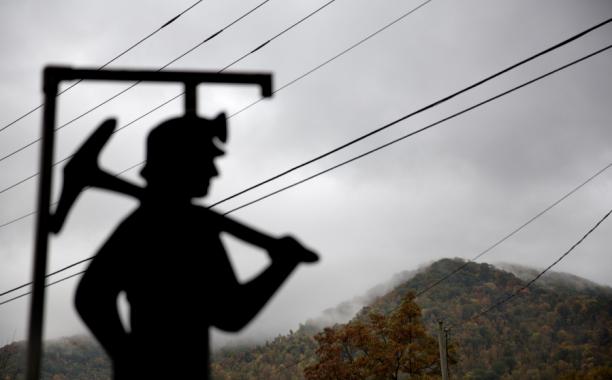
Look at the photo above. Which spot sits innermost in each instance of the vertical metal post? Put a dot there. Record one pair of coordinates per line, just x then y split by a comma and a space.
191, 103
35, 332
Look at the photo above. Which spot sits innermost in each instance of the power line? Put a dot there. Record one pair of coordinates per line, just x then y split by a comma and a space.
380, 147
415, 132
353, 141
385, 126
108, 62
280, 33
530, 282
513, 232
480, 314
17, 219
343, 52
121, 92
54, 203
429, 106
423, 129
48, 275
46, 285
517, 292
437, 123
26, 179
294, 168
295, 80
393, 141
61, 269
70, 156
513, 295
170, 99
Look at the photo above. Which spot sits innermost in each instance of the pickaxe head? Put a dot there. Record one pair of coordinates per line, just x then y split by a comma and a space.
82, 170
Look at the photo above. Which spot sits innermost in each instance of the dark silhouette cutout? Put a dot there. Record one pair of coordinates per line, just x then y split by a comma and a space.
167, 255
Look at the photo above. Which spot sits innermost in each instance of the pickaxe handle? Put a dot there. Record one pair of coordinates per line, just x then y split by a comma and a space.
83, 171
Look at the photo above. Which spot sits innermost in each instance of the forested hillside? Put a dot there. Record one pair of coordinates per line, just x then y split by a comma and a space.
548, 332
557, 330
560, 330
74, 358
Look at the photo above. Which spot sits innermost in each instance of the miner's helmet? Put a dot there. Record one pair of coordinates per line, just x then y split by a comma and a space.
184, 146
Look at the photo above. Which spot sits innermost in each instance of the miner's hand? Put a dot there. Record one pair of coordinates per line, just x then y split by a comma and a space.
286, 249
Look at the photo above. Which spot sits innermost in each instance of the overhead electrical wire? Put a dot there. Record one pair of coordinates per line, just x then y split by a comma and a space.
294, 168
48, 275
404, 137
108, 62
319, 157
452, 116
533, 280
513, 232
46, 285
54, 203
505, 299
24, 216
378, 31
293, 81
418, 111
521, 289
513, 295
480, 314
343, 52
279, 34
170, 99
63, 268
367, 153
438, 122
121, 92
488, 100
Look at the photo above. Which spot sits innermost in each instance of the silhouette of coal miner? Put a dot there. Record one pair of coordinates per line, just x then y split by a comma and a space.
168, 258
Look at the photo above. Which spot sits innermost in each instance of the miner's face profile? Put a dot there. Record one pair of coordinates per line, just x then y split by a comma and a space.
196, 181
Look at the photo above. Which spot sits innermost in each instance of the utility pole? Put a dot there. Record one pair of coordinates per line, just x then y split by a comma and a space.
443, 349
446, 343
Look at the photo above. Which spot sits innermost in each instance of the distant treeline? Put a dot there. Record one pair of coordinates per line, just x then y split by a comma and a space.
559, 331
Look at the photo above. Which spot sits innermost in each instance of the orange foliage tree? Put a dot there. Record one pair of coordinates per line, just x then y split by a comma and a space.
378, 347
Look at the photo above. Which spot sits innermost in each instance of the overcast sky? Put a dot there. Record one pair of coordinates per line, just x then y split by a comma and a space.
448, 192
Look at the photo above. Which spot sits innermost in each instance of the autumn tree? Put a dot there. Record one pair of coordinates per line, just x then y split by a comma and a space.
379, 346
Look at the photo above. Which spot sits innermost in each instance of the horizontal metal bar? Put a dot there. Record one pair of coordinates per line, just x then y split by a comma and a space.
60, 73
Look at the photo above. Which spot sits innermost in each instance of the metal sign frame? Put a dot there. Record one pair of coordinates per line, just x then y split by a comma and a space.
52, 77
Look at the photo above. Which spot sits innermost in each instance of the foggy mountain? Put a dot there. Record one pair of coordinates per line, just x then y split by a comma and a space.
560, 327
554, 280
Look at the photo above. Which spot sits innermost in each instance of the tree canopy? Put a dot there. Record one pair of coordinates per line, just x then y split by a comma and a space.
377, 347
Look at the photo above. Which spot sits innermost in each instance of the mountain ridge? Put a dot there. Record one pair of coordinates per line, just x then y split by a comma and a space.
566, 326
541, 334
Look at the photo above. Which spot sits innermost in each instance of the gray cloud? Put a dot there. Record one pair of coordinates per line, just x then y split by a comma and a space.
450, 191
